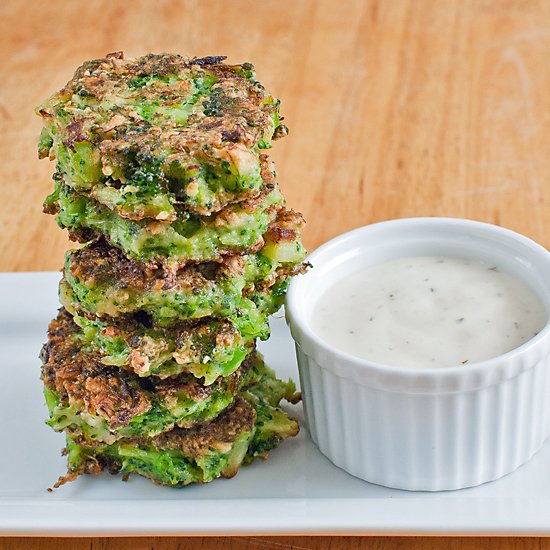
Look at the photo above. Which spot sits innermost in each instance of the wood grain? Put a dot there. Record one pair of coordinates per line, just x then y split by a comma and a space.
277, 543
396, 108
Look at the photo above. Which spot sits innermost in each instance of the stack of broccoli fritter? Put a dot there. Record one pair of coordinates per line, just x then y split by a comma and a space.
151, 364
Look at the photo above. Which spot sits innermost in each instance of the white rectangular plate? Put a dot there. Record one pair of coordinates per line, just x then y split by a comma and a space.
297, 491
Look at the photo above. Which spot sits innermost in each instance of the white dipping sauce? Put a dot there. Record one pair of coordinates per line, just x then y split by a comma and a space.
428, 312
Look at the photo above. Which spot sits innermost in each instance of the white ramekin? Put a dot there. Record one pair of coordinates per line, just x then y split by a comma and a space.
423, 429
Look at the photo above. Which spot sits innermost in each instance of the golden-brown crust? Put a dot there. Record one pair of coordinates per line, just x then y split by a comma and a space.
286, 227
100, 263
233, 114
80, 378
237, 419
100, 76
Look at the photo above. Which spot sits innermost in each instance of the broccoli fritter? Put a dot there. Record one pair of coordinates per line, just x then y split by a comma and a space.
248, 429
100, 280
176, 458
107, 403
189, 238
207, 349
146, 135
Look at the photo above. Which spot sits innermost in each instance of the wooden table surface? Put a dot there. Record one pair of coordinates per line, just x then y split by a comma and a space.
396, 108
